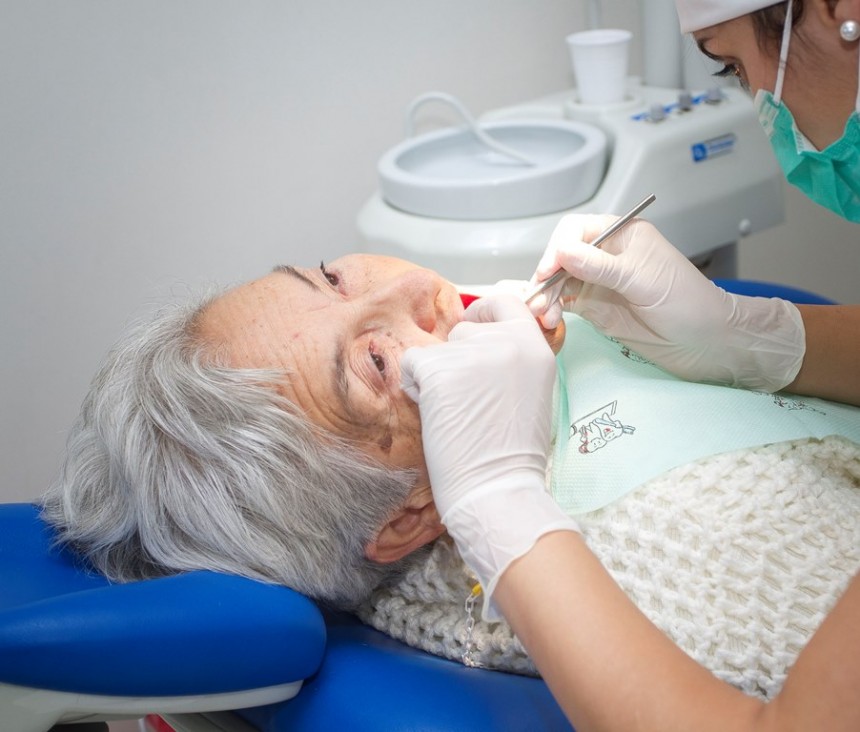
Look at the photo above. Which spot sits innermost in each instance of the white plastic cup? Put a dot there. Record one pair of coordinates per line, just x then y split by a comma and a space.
599, 58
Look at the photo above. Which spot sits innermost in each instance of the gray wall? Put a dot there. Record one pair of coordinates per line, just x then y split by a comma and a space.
148, 147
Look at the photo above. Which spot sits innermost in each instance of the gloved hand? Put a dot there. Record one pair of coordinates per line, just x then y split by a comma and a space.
485, 400
554, 336
641, 290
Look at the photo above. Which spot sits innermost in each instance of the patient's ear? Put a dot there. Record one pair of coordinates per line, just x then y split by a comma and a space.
415, 524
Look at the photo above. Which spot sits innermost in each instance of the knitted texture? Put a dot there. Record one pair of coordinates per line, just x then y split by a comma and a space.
737, 558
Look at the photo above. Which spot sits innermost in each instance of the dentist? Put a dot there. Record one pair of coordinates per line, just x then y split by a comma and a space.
800, 58
608, 666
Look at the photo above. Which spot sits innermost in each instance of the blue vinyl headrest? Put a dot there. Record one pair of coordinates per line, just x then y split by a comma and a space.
66, 628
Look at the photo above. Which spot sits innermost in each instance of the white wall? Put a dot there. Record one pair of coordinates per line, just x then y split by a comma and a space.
151, 146
812, 249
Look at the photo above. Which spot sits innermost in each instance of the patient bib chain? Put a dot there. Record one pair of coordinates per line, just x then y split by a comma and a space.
469, 644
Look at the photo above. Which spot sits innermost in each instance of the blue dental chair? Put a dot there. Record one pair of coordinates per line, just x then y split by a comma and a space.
75, 648
211, 652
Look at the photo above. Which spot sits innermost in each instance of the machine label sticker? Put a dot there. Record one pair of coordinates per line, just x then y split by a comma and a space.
716, 146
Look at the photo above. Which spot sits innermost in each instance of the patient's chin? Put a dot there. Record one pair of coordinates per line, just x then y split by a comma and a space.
554, 337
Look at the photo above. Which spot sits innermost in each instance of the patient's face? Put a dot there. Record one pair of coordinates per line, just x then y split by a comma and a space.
340, 331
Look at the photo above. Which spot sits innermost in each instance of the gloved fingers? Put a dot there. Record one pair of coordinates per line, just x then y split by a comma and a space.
547, 306
565, 300
595, 266
609, 312
408, 380
488, 338
496, 308
518, 288
571, 229
548, 316
552, 317
555, 336
418, 363
571, 291
492, 333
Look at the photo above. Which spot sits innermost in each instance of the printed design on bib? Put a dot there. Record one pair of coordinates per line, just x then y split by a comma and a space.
790, 403
627, 352
598, 428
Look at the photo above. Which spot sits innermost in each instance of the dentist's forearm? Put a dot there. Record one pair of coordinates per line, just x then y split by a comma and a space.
608, 666
612, 670
831, 365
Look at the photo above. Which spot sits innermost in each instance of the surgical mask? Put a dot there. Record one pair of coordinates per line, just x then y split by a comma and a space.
830, 177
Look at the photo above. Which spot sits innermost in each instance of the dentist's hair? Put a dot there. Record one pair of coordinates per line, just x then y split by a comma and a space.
179, 462
768, 23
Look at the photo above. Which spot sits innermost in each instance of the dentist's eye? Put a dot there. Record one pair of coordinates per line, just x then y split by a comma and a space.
729, 70
331, 277
735, 71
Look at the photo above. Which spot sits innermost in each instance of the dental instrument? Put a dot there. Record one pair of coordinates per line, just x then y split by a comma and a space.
560, 274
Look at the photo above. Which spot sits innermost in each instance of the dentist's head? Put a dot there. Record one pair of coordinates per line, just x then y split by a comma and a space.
801, 59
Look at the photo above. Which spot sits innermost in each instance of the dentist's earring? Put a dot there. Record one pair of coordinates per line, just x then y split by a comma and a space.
850, 30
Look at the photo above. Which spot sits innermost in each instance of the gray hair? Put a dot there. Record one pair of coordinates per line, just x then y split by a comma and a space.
179, 462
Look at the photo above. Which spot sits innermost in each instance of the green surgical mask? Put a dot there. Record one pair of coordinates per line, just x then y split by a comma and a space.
830, 177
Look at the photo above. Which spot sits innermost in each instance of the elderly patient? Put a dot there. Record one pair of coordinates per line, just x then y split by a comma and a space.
264, 432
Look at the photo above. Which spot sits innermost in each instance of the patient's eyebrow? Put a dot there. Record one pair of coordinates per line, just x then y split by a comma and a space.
292, 271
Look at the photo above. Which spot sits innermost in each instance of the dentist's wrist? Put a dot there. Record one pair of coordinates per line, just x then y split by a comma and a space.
765, 344
493, 528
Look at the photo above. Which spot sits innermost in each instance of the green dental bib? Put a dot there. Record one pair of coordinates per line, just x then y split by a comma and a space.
621, 420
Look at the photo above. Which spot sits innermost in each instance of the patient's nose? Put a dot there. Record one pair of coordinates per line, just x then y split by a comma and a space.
414, 293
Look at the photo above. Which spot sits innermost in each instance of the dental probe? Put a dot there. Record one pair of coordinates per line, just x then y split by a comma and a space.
560, 274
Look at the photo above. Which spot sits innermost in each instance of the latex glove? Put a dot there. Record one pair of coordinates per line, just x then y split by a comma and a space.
555, 335
485, 400
641, 290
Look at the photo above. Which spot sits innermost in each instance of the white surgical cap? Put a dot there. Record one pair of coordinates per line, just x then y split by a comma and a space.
697, 14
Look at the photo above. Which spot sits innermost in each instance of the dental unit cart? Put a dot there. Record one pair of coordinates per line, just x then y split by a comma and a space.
703, 154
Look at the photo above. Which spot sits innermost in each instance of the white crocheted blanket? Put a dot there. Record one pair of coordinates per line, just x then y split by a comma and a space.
737, 558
